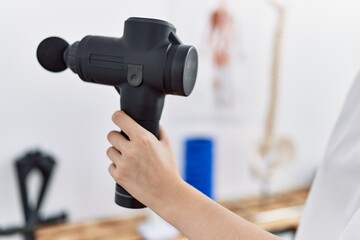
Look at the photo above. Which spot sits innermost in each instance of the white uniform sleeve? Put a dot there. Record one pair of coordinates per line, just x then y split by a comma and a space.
332, 210
352, 231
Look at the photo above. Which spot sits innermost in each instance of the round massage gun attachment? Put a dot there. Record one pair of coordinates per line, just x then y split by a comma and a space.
50, 54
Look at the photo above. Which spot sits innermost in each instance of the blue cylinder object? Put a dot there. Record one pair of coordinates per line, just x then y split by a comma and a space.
199, 164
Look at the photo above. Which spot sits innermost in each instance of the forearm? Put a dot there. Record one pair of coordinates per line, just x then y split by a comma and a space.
199, 217
145, 166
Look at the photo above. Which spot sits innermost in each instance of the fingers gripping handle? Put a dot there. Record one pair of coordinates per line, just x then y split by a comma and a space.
145, 107
122, 197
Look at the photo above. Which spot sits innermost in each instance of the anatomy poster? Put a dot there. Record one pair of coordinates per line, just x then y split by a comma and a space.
221, 40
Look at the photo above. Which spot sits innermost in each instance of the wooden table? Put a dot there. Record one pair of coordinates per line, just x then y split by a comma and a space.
277, 213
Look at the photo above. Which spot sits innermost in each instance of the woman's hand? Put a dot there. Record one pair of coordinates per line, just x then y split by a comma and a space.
144, 165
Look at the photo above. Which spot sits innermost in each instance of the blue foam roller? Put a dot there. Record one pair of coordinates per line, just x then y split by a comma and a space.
199, 164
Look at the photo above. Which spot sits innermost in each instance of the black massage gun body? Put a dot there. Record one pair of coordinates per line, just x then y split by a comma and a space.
144, 65
136, 78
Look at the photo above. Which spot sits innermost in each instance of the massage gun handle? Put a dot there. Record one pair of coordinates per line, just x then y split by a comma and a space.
122, 197
144, 105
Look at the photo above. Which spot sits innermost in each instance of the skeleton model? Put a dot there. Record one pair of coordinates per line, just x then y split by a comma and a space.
273, 150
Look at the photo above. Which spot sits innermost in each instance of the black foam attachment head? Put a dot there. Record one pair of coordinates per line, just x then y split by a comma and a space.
50, 54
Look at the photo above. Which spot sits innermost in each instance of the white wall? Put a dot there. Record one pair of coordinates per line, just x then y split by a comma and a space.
70, 119
319, 61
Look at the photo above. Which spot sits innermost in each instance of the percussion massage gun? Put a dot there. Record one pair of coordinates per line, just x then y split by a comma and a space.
146, 63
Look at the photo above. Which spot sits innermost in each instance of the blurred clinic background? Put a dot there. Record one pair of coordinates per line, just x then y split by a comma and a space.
271, 81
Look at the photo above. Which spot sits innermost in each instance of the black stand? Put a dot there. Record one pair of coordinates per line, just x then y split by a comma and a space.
44, 164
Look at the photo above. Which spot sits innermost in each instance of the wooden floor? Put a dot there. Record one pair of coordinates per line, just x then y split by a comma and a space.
277, 213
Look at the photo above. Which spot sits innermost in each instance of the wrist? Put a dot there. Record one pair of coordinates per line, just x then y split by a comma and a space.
170, 197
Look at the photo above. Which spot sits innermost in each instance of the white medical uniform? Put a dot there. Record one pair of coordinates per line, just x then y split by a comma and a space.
333, 208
